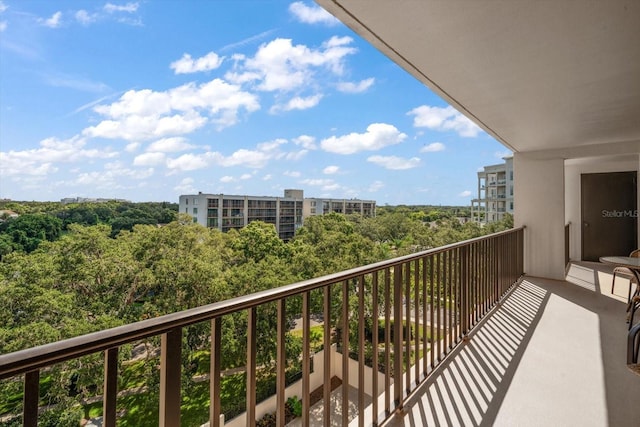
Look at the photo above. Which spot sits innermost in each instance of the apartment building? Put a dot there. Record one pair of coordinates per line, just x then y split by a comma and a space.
287, 213
319, 206
495, 192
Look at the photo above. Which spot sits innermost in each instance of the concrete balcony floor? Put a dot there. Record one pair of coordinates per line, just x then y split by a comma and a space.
553, 354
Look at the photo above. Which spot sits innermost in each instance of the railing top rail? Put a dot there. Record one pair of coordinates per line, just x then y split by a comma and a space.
26, 360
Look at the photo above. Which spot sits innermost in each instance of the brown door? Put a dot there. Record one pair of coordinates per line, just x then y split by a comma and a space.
609, 214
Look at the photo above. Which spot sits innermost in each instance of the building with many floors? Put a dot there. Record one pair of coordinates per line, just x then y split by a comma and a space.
224, 212
495, 192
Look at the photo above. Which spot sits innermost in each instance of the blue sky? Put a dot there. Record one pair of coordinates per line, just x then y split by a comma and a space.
148, 100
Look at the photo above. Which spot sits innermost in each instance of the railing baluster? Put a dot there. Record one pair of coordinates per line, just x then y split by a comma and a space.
454, 306
345, 352
407, 319
432, 347
251, 367
425, 341
416, 314
31, 399
170, 372
214, 372
110, 390
374, 344
387, 341
361, 353
449, 302
438, 312
306, 359
326, 390
464, 294
281, 363
397, 337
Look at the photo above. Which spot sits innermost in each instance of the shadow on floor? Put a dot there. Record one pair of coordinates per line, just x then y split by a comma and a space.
552, 354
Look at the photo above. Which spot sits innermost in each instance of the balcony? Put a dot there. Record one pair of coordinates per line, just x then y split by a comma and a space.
441, 295
497, 339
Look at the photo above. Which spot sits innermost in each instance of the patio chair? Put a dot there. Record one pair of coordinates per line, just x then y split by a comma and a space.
628, 273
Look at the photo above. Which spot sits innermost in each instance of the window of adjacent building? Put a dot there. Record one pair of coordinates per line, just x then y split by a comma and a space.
186, 210
195, 201
186, 201
195, 211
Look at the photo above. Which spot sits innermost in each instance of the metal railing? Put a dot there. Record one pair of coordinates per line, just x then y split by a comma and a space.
439, 294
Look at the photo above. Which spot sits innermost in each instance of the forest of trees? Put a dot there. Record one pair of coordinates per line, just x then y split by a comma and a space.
67, 271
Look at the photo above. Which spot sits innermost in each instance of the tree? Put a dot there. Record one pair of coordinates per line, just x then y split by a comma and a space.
27, 231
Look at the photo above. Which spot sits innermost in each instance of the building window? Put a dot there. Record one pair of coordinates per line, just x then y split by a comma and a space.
186, 201
186, 210
195, 211
195, 201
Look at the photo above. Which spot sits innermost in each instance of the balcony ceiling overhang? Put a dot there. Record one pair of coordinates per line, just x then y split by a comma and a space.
540, 76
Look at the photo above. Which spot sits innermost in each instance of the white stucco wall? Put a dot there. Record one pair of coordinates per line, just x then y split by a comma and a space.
539, 205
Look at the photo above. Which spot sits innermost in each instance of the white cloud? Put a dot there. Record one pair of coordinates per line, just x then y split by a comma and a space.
185, 186
394, 162
243, 157
186, 64
188, 162
84, 17
267, 177
245, 176
433, 147
324, 184
375, 186
52, 150
292, 174
53, 22
131, 147
296, 155
111, 175
247, 158
359, 87
281, 66
74, 82
312, 14
146, 114
444, 119
170, 145
248, 40
227, 178
306, 141
272, 146
149, 159
128, 8
377, 136
3, 7
3, 26
465, 193
298, 103
330, 170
